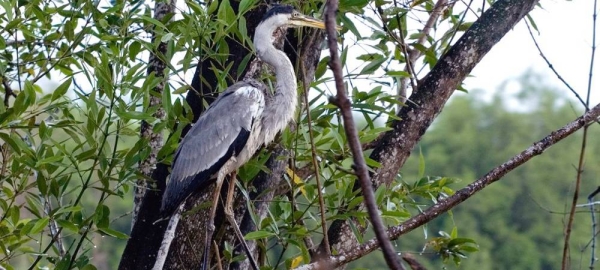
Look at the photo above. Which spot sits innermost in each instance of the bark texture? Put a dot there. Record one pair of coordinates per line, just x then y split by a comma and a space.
157, 66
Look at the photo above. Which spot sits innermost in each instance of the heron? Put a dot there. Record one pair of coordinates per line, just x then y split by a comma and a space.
234, 127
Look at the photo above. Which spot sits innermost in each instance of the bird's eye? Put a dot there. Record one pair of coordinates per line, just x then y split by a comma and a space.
295, 14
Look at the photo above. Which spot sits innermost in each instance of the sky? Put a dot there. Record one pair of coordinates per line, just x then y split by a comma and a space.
565, 37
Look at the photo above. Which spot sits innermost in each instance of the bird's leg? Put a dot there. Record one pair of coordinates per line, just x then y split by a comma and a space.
219, 265
231, 218
210, 224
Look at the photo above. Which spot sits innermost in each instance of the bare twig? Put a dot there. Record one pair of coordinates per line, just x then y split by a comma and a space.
565, 257
414, 53
412, 262
409, 67
315, 165
343, 103
307, 239
552, 67
460, 196
219, 262
462, 19
8, 91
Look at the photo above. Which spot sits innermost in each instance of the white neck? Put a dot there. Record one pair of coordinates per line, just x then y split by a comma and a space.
280, 109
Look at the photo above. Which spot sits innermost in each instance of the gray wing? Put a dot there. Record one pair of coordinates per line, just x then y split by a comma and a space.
220, 133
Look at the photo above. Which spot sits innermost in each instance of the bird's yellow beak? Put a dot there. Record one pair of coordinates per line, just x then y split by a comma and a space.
303, 20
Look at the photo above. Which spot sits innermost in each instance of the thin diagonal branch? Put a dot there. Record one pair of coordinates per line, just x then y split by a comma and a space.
552, 67
413, 54
315, 165
342, 101
8, 91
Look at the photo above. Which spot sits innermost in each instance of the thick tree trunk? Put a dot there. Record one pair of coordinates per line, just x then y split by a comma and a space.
186, 249
157, 66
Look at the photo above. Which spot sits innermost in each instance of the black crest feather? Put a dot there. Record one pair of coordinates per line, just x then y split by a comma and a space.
278, 9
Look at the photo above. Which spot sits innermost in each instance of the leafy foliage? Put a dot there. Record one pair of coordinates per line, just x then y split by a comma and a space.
75, 88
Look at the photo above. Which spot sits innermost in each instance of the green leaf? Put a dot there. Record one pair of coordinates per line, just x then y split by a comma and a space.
101, 216
213, 7
245, 5
166, 37
244, 64
6, 138
15, 215
113, 233
258, 235
153, 22
469, 248
399, 73
533, 24
69, 209
322, 67
40, 224
89, 267
41, 183
353, 3
67, 225
134, 49
373, 65
13, 23
460, 241
226, 13
454, 233
182, 89
49, 160
243, 30
61, 89
465, 26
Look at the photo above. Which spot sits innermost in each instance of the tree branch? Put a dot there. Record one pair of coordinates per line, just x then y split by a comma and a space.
8, 91
413, 54
342, 101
